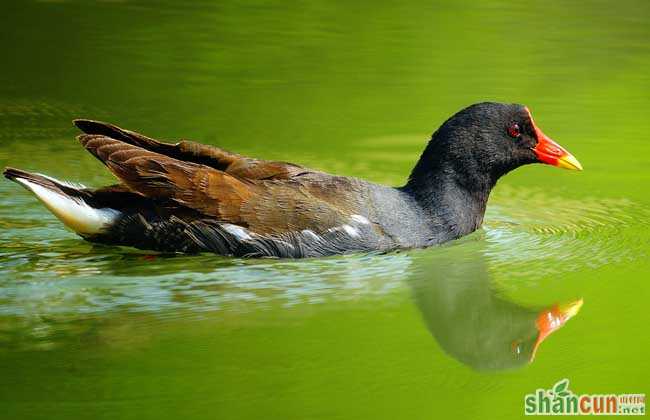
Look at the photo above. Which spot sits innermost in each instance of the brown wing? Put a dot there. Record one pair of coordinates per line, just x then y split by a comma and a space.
153, 175
189, 151
262, 205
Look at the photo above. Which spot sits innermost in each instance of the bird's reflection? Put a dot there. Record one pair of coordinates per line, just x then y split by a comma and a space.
451, 286
470, 320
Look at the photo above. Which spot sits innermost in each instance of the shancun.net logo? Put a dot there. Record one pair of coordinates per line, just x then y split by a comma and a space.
559, 400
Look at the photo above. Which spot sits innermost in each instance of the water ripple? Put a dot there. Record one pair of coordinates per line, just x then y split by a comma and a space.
49, 274
534, 236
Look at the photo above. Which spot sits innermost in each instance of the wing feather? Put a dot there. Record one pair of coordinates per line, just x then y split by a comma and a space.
153, 175
189, 151
264, 197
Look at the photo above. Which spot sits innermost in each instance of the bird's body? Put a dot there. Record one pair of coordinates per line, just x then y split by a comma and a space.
190, 197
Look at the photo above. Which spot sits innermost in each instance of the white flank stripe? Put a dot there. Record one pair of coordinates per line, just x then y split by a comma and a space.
360, 219
310, 234
352, 231
238, 231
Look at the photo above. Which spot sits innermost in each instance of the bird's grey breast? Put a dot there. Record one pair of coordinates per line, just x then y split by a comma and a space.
400, 217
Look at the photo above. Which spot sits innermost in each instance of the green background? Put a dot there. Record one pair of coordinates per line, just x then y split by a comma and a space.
353, 88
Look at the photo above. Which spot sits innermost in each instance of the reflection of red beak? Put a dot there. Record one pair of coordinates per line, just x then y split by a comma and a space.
552, 319
551, 153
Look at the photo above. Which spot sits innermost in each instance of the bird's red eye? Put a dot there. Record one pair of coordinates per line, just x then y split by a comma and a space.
513, 130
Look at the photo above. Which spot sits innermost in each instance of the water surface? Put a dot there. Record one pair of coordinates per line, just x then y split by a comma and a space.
90, 331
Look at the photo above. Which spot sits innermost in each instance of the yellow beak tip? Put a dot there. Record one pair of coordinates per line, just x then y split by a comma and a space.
571, 309
569, 162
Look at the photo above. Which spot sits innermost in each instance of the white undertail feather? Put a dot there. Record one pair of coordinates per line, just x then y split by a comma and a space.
75, 185
73, 212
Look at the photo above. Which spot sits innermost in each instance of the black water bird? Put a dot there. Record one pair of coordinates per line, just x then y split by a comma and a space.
191, 197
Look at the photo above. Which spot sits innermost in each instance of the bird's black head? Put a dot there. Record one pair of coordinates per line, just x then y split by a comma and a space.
485, 141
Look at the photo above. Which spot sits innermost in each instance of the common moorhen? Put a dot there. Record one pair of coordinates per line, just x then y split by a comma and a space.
191, 197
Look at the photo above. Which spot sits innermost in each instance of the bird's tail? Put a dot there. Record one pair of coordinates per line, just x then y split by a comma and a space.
68, 202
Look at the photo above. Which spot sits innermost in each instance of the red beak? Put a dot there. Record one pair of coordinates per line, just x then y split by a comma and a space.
552, 319
551, 153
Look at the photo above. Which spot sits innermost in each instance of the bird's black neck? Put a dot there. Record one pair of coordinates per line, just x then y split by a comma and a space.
451, 192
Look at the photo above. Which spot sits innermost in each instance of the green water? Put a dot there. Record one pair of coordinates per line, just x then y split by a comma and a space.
352, 88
